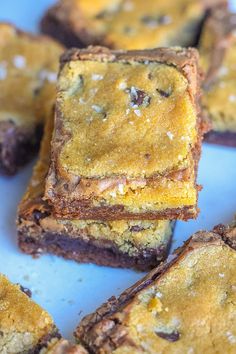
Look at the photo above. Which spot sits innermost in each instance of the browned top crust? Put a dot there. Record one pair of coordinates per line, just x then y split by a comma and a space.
104, 331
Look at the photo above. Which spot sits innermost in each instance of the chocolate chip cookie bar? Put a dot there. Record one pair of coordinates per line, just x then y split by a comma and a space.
126, 24
185, 306
136, 244
217, 50
128, 133
24, 326
28, 71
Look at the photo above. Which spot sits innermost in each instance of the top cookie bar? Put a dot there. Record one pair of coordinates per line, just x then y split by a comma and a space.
127, 136
218, 52
127, 24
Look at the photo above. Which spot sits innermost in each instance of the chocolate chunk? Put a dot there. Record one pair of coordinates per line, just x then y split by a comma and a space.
26, 291
139, 97
171, 337
163, 93
136, 228
147, 156
38, 215
153, 21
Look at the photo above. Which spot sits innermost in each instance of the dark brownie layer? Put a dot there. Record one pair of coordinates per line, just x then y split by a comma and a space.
103, 253
224, 138
17, 146
104, 331
45, 341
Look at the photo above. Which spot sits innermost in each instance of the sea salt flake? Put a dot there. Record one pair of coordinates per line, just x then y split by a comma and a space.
127, 111
221, 275
170, 135
159, 294
97, 108
19, 61
48, 75
81, 100
121, 188
3, 71
138, 112
232, 98
97, 77
231, 337
113, 194
122, 85
128, 6
223, 71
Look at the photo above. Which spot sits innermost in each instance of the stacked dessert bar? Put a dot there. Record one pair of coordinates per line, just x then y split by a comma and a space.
217, 51
127, 24
126, 142
28, 72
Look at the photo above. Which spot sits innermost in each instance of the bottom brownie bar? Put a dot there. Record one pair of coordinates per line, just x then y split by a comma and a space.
24, 326
185, 306
135, 244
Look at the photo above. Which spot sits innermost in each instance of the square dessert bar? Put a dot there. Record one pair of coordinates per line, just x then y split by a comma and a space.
24, 326
127, 24
185, 306
136, 244
28, 71
127, 137
218, 53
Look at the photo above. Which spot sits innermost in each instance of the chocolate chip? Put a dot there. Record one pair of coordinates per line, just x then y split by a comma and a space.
26, 291
171, 337
101, 15
38, 215
136, 228
153, 21
139, 97
128, 30
147, 156
163, 93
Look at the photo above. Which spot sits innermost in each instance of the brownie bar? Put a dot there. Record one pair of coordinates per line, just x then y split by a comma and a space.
137, 156
127, 24
135, 244
24, 326
28, 71
166, 308
217, 49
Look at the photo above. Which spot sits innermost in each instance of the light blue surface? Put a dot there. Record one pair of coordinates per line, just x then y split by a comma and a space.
69, 290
